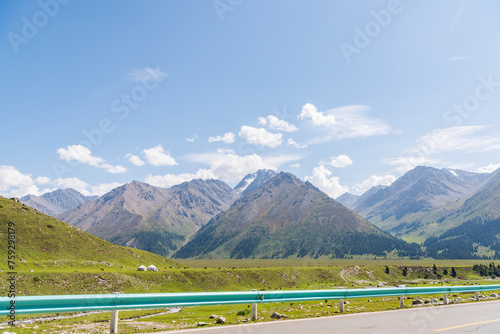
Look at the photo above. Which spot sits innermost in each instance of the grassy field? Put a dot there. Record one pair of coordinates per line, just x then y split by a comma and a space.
265, 263
236, 277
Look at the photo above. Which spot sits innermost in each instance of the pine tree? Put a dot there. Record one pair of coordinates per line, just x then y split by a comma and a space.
453, 272
434, 269
405, 271
445, 271
387, 271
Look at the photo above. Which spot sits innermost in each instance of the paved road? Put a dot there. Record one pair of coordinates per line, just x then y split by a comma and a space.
481, 318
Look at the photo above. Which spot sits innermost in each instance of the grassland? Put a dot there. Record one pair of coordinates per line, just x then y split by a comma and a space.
269, 263
184, 279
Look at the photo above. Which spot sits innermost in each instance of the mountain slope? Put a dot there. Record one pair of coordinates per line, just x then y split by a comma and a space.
416, 193
57, 201
45, 242
151, 218
286, 217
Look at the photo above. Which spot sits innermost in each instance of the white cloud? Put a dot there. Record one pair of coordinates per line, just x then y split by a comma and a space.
429, 148
317, 118
295, 144
295, 165
104, 188
79, 153
42, 180
146, 73
73, 182
350, 121
340, 162
459, 138
322, 178
156, 156
114, 169
231, 167
192, 139
405, 163
274, 123
13, 183
260, 136
85, 188
488, 169
227, 138
83, 155
135, 159
169, 180
372, 181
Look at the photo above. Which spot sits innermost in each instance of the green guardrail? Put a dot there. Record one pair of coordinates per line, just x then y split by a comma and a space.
115, 302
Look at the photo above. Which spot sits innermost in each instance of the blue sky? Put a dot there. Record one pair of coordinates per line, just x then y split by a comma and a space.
345, 94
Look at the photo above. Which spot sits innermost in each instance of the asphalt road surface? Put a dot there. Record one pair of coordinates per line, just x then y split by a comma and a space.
482, 318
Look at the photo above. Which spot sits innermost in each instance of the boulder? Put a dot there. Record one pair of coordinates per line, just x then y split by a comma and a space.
494, 295
417, 302
213, 316
276, 315
201, 323
220, 320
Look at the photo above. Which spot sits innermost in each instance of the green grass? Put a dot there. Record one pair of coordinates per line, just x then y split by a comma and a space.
267, 263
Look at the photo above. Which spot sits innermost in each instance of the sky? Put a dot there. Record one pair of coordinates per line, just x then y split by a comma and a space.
344, 94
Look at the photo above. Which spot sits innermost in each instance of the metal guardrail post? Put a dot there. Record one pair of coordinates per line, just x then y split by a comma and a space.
113, 327
254, 312
477, 295
341, 305
254, 309
445, 298
401, 301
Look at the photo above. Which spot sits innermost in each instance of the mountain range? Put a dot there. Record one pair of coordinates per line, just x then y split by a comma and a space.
428, 204
151, 218
268, 215
286, 217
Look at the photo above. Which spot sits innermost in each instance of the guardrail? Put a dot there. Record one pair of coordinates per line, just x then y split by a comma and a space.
115, 302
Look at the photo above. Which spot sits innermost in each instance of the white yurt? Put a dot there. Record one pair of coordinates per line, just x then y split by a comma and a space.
142, 268
152, 268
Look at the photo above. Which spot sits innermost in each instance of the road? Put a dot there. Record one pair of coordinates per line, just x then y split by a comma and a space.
481, 318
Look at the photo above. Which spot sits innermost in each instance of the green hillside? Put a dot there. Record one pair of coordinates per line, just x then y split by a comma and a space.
47, 244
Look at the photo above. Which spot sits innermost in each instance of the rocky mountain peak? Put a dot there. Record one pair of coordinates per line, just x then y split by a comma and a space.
254, 180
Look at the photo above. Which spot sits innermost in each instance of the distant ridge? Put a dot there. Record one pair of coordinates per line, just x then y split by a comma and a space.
348, 200
57, 201
417, 192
